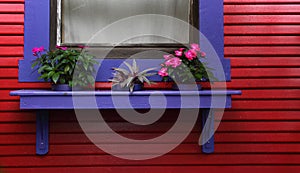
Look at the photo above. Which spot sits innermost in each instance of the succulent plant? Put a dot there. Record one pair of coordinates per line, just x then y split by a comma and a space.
127, 78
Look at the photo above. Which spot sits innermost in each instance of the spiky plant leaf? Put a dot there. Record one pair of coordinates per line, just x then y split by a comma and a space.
129, 67
146, 71
121, 70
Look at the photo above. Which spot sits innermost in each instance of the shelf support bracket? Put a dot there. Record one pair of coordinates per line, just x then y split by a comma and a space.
42, 132
207, 131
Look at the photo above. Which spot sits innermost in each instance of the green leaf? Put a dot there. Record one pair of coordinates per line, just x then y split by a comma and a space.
50, 74
34, 64
67, 68
55, 77
62, 81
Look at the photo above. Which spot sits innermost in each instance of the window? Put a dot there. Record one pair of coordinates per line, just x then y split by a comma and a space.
79, 20
41, 27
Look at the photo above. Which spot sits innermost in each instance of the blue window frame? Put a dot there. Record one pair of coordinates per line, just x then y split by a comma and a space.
37, 33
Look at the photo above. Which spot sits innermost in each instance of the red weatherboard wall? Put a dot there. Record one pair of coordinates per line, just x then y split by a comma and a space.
260, 133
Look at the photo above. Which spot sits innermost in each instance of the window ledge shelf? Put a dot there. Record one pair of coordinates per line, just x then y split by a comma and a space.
44, 100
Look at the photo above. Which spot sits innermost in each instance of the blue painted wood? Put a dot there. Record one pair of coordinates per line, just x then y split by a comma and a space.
208, 117
37, 17
44, 100
35, 99
42, 132
211, 20
124, 93
36, 34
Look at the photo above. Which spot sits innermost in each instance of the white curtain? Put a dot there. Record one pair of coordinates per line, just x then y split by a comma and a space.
82, 19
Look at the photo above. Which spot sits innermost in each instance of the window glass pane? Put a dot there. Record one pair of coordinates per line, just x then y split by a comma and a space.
81, 19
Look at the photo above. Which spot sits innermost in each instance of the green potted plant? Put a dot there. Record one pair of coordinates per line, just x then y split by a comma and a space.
58, 67
184, 66
132, 79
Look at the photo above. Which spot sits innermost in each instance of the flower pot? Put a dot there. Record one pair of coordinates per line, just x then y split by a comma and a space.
137, 87
61, 87
186, 87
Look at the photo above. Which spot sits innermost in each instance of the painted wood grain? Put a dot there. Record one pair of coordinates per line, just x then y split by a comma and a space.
260, 134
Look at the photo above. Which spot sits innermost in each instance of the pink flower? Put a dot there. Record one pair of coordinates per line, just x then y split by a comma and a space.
37, 50
195, 47
173, 62
62, 48
178, 53
82, 46
163, 72
203, 54
168, 56
191, 54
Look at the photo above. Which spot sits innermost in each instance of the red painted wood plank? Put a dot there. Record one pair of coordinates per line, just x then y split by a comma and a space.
230, 115
259, 127
263, 83
11, 1
265, 72
262, 40
262, 19
262, 9
22, 116
11, 8
80, 138
11, 51
240, 62
261, 1
11, 18
257, 137
262, 51
266, 105
166, 169
9, 62
268, 94
161, 127
14, 84
28, 150
95, 160
11, 40
4, 96
224, 127
8, 73
9, 106
12, 29
262, 30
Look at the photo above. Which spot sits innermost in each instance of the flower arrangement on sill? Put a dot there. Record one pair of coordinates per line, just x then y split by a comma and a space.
58, 66
132, 79
184, 66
